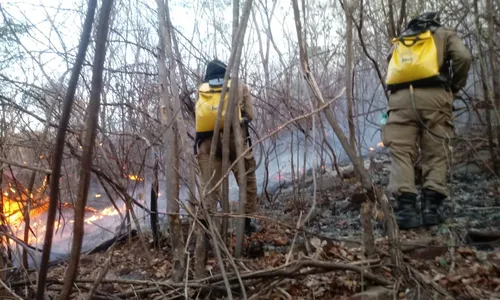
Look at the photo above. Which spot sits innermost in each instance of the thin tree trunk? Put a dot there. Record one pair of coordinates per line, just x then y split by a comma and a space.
234, 59
154, 206
31, 183
494, 92
392, 25
359, 28
232, 113
172, 145
402, 16
242, 183
236, 17
88, 147
374, 193
486, 90
181, 126
59, 148
348, 9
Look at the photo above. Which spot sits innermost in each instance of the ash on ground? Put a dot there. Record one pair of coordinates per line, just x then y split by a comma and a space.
474, 202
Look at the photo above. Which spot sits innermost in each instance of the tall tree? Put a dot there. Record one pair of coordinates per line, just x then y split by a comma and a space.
88, 147
59, 148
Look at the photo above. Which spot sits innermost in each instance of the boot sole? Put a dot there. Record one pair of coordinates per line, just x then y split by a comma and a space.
431, 220
414, 226
410, 225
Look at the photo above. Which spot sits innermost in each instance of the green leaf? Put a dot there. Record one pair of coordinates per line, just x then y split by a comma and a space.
442, 262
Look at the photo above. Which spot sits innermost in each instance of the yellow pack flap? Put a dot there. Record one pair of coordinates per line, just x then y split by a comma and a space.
206, 88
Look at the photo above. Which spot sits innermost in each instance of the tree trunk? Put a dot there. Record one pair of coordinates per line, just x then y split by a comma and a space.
348, 10
88, 147
59, 148
495, 88
486, 90
31, 182
172, 144
234, 61
242, 183
232, 113
236, 17
154, 206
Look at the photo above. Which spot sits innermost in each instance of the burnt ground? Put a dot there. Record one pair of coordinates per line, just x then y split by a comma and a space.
457, 260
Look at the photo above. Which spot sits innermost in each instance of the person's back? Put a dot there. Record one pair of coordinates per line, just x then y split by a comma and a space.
211, 88
420, 113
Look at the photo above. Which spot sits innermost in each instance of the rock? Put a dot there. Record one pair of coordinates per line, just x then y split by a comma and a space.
428, 252
374, 293
468, 168
135, 275
325, 183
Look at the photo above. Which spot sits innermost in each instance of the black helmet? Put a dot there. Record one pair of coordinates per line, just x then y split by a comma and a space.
431, 17
215, 70
423, 22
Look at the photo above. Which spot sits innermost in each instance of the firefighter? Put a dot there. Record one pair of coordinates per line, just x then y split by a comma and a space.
427, 67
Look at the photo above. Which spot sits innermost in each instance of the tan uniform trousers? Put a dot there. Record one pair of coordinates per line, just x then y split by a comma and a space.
402, 133
206, 174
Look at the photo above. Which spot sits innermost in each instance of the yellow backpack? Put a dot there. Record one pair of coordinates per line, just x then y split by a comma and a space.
208, 105
414, 59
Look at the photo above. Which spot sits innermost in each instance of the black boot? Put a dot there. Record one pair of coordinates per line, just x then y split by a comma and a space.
249, 227
431, 202
407, 214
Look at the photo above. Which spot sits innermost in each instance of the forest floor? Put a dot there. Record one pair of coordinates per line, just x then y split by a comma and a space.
459, 259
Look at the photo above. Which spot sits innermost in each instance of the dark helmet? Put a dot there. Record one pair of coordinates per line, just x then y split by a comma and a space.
215, 70
430, 17
422, 22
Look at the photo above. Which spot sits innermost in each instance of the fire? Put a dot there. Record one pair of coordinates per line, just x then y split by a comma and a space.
14, 204
380, 145
108, 211
98, 195
372, 149
43, 187
135, 177
12, 210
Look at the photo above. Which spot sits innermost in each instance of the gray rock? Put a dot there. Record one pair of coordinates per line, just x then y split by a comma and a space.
374, 293
325, 183
468, 168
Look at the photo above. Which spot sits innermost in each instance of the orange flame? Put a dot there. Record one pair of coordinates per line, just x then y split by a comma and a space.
372, 149
380, 145
135, 177
13, 213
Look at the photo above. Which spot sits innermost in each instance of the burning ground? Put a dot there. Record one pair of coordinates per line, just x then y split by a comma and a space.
458, 260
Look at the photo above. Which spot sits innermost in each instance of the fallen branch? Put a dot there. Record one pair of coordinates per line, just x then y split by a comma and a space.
476, 236
12, 163
294, 269
434, 285
6, 288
